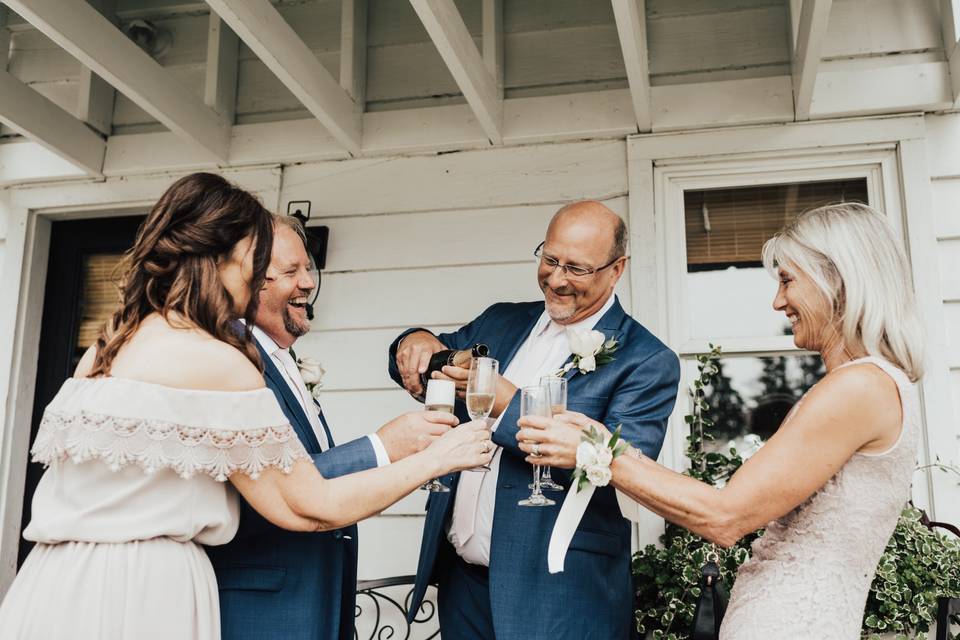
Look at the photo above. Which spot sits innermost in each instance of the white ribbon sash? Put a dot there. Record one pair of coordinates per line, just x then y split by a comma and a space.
571, 512
568, 520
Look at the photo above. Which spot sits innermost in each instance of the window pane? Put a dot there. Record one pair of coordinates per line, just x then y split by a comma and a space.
100, 295
751, 396
730, 294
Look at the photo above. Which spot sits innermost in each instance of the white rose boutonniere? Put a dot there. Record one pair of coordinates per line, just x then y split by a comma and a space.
311, 371
590, 349
594, 455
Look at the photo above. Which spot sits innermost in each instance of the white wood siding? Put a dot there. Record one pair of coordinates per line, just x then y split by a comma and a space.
428, 241
943, 148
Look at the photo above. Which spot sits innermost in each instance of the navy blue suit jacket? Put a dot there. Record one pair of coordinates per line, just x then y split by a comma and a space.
287, 585
593, 597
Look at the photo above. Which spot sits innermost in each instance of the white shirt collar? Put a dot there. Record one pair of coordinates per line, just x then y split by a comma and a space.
266, 342
587, 323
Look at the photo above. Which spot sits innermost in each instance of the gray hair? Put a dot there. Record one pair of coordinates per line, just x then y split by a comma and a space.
291, 223
619, 240
853, 256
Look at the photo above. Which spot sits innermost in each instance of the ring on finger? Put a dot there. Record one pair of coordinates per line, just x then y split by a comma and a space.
535, 451
486, 446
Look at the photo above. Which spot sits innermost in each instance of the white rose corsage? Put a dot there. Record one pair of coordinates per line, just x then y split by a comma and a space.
311, 371
594, 456
590, 349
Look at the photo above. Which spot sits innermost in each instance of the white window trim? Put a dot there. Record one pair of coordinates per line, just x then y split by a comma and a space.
888, 151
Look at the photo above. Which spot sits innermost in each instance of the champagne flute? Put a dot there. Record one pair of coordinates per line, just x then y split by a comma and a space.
535, 401
557, 390
441, 394
482, 391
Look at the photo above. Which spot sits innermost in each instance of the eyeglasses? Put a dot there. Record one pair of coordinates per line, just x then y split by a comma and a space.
569, 269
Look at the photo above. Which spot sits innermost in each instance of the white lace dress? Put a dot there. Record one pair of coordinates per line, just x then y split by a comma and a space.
809, 575
136, 482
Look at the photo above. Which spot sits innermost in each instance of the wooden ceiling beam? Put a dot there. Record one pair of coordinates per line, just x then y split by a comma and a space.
446, 28
811, 32
43, 121
89, 37
631, 19
273, 40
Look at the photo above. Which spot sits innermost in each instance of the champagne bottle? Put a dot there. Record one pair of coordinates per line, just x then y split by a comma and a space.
453, 357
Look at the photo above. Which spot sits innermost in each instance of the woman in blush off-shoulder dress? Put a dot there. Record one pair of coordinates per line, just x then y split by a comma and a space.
830, 484
162, 411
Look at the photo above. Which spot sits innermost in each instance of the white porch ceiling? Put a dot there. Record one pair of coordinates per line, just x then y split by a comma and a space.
315, 79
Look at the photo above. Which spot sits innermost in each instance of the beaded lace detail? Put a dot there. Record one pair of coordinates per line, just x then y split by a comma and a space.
809, 574
157, 444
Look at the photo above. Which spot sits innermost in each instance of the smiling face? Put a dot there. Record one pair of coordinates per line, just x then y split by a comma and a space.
808, 310
282, 313
236, 273
582, 235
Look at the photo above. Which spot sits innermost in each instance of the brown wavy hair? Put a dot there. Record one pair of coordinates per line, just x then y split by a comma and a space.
172, 266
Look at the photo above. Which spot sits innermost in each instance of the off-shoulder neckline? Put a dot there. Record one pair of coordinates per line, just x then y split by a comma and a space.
162, 387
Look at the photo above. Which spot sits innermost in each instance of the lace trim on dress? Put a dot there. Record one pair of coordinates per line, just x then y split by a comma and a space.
156, 444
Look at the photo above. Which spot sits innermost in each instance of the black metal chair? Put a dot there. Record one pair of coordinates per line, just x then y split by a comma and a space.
389, 601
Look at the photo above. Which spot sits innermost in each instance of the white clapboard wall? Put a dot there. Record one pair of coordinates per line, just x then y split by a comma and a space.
428, 241
943, 150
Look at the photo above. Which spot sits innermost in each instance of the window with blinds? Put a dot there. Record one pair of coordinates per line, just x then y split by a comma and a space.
727, 227
100, 295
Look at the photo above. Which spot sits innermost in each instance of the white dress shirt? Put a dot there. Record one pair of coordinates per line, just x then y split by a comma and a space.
300, 392
544, 351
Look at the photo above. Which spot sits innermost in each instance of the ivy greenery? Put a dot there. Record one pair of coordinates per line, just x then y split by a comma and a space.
918, 567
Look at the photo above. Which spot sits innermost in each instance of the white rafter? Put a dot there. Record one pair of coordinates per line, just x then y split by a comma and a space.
40, 119
220, 82
811, 31
458, 50
353, 49
951, 39
89, 37
275, 42
631, 21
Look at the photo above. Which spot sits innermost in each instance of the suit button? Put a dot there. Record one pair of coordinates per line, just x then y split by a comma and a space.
337, 535
508, 486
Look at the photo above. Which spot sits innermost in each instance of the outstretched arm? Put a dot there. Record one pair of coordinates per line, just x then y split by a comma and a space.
304, 500
856, 409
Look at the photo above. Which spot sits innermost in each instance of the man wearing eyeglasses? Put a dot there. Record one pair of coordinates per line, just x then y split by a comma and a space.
487, 553
284, 584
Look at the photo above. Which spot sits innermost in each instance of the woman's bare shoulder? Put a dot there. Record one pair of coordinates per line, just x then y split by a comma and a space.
186, 358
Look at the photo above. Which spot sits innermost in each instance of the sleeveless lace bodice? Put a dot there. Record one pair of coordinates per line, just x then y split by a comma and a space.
809, 574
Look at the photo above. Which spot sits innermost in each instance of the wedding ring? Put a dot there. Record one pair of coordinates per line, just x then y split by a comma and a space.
536, 450
486, 446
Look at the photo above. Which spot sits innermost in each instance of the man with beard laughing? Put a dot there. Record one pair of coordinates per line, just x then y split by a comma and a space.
282, 584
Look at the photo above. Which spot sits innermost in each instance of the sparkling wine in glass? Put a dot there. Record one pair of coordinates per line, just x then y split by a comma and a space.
535, 401
557, 389
441, 395
482, 391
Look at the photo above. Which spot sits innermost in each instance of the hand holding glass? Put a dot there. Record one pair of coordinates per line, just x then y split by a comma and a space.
482, 391
441, 395
557, 389
535, 401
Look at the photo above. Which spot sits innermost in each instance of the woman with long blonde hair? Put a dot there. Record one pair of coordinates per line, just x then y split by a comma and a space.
829, 485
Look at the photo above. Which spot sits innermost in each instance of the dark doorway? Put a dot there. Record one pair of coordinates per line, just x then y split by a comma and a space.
82, 256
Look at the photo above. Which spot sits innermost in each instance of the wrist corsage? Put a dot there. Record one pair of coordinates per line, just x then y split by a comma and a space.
594, 456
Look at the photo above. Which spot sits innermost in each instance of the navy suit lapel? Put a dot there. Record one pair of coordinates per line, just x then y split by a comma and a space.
610, 325
292, 408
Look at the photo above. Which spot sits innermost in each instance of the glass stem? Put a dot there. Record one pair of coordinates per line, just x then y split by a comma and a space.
536, 480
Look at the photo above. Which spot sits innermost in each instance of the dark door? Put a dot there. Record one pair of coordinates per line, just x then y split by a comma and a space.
77, 298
